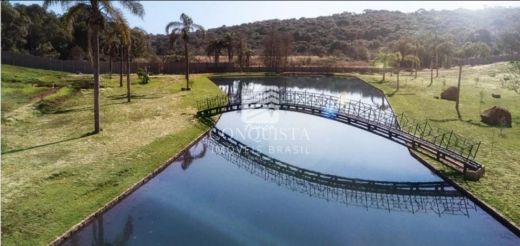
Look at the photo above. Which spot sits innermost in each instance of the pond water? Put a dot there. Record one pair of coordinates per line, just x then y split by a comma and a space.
213, 195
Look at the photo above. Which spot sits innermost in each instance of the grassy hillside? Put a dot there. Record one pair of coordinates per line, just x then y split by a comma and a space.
500, 187
54, 173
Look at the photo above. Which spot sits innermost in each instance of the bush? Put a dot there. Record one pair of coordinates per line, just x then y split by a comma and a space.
143, 75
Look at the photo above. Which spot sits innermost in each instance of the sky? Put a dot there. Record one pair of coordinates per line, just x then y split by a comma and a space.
211, 14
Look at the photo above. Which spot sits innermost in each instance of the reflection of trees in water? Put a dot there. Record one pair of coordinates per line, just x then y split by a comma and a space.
383, 105
333, 84
98, 234
362, 194
187, 157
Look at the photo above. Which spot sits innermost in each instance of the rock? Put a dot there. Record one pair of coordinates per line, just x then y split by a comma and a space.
475, 175
496, 95
450, 93
496, 116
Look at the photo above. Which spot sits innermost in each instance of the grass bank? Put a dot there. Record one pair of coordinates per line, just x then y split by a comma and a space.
54, 173
499, 152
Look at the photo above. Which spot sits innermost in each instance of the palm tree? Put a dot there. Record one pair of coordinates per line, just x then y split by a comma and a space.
397, 59
117, 38
215, 49
387, 58
414, 60
99, 12
249, 53
445, 50
229, 43
182, 30
110, 45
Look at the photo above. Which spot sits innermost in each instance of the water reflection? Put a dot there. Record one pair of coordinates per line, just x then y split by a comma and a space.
98, 237
412, 197
188, 157
347, 88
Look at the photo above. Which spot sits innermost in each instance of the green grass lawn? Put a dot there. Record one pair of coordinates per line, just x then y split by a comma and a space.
500, 149
54, 173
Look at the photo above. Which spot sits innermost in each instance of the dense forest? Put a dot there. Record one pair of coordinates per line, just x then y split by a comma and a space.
424, 34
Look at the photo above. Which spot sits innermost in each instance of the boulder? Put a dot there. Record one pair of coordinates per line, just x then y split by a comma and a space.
450, 93
496, 116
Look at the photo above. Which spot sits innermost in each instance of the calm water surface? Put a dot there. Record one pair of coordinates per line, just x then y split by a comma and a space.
214, 196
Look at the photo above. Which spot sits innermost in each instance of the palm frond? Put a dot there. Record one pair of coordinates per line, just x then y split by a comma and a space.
133, 6
64, 4
70, 16
197, 27
173, 25
186, 20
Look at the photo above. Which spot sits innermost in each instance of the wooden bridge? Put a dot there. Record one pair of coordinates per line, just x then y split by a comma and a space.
413, 197
447, 147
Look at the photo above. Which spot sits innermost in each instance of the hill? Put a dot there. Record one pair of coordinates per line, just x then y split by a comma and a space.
349, 36
341, 34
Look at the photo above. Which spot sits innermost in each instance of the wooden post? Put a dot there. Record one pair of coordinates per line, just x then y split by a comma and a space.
449, 139
478, 146
442, 139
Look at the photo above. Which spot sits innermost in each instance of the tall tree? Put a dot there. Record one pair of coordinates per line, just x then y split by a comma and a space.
15, 28
242, 50
229, 42
182, 29
397, 59
123, 31
249, 53
99, 12
414, 60
214, 49
445, 51
386, 58
110, 44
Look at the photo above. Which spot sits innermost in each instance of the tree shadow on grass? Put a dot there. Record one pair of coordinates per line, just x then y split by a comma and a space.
70, 110
393, 93
47, 144
444, 120
469, 122
134, 96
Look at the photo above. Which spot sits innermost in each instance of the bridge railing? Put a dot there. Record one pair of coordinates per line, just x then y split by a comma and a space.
333, 106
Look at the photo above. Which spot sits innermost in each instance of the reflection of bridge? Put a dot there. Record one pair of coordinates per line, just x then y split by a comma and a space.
413, 197
445, 146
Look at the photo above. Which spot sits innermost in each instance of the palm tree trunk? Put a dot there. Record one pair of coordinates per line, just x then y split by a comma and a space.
431, 73
110, 66
436, 64
384, 71
128, 92
121, 66
187, 65
398, 71
416, 67
458, 91
97, 127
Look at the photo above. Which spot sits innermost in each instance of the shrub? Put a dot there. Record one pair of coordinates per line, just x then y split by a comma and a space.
143, 75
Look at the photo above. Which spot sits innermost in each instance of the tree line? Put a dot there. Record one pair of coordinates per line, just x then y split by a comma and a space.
348, 36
